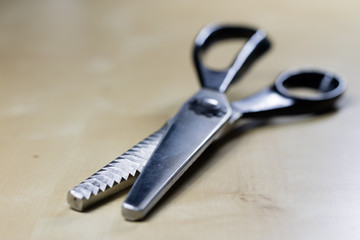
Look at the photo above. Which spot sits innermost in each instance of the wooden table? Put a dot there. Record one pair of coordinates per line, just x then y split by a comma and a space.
83, 81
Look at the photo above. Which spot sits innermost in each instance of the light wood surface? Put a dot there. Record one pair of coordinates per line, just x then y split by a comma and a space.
83, 81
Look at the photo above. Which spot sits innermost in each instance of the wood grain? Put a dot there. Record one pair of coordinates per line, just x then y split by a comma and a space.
82, 81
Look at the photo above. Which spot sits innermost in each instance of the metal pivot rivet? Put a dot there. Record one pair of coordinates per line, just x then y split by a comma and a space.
206, 106
209, 103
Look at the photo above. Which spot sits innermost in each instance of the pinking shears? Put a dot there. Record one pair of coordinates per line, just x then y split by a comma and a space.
156, 163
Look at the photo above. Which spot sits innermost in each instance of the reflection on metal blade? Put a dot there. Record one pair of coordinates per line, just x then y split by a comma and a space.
116, 176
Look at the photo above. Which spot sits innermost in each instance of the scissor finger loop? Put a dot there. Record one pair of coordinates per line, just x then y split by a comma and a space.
256, 45
202, 119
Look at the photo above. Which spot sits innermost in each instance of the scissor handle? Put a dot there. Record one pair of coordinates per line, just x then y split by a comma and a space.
256, 45
279, 100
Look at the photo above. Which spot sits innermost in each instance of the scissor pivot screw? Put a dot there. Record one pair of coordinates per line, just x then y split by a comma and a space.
209, 103
209, 107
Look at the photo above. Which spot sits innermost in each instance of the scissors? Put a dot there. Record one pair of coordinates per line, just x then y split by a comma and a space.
158, 161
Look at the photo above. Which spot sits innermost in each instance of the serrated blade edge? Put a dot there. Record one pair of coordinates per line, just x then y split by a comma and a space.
115, 176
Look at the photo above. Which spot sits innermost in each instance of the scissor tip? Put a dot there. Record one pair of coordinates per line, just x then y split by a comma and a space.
132, 213
75, 201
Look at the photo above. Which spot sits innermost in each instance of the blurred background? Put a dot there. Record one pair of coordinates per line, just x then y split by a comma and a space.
83, 81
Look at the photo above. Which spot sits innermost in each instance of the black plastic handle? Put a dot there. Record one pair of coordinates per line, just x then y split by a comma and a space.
279, 100
253, 48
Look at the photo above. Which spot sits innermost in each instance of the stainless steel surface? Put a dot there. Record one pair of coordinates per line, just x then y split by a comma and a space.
171, 151
189, 133
114, 177
203, 116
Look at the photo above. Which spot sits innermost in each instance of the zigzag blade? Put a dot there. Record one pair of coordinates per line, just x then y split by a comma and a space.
116, 176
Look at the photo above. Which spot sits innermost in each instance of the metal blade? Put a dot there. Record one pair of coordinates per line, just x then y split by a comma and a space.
116, 176
196, 125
